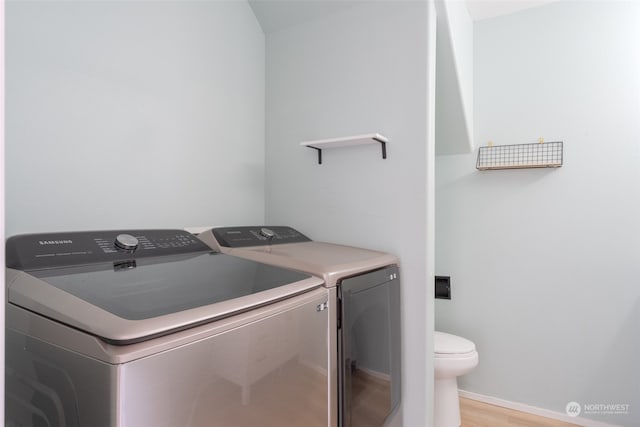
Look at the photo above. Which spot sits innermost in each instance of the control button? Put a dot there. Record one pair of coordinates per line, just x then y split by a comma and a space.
126, 242
265, 232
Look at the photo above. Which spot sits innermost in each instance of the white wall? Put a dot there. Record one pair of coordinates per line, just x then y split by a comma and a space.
545, 264
133, 114
365, 69
454, 77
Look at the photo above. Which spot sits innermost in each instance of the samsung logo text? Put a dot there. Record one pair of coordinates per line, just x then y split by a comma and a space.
55, 242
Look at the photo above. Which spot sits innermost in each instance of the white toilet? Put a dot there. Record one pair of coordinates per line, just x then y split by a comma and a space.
453, 356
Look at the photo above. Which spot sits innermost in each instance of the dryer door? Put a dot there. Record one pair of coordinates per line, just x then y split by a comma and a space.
369, 342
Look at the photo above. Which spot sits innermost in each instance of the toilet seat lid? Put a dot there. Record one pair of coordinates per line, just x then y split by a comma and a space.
452, 344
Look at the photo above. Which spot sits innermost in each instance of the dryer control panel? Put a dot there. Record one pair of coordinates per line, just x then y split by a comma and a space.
50, 250
257, 235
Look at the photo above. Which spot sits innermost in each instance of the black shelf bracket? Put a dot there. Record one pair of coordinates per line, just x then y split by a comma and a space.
384, 147
319, 154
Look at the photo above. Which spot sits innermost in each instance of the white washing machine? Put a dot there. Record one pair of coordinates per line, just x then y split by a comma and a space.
151, 328
364, 314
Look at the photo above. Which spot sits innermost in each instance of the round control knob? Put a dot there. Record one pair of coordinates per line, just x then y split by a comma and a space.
126, 242
265, 232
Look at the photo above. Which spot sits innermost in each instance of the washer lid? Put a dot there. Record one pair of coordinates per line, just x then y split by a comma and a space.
452, 344
138, 295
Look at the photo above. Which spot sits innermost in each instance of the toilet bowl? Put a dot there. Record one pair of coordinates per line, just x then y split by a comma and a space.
453, 356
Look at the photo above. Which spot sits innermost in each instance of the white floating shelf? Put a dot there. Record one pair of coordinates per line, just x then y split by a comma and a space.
372, 138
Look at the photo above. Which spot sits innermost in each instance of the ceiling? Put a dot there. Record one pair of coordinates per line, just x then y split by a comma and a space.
275, 15
483, 9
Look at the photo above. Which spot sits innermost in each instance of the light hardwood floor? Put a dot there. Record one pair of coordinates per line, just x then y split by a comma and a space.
370, 399
480, 414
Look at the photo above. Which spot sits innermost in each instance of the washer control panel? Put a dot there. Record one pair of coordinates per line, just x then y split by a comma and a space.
257, 235
49, 250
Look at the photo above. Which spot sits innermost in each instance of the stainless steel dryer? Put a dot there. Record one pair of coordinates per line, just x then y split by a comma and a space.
151, 328
364, 307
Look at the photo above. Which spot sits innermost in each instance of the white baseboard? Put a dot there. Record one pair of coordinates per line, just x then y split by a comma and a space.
585, 422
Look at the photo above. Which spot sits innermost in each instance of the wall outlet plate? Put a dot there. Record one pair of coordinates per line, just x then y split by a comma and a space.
443, 287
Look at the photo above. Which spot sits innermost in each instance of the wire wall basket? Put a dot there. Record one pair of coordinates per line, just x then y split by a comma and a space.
520, 156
